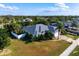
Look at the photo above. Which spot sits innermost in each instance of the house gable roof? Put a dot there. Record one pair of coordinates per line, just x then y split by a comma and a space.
29, 29
39, 29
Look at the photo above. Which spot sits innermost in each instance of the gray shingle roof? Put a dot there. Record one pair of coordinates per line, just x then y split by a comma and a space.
51, 28
30, 29
39, 29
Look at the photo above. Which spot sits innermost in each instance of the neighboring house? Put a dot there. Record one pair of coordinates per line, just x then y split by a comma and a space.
76, 23
72, 23
68, 23
72, 26
27, 20
41, 29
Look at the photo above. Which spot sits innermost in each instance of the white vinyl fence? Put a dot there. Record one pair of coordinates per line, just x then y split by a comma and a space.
18, 36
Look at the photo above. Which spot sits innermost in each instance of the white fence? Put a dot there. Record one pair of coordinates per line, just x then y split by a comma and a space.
18, 36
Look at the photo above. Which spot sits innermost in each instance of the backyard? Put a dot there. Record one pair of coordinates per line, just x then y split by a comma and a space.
43, 48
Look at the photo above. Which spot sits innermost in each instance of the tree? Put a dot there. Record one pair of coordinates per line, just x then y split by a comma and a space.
4, 40
60, 27
15, 27
41, 21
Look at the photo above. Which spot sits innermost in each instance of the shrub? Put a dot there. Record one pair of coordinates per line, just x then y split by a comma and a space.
35, 38
48, 35
40, 37
28, 37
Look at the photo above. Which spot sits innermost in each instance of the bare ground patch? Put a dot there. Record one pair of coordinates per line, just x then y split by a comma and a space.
5, 52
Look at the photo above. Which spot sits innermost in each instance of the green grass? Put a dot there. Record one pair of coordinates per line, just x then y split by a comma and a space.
75, 52
72, 36
44, 48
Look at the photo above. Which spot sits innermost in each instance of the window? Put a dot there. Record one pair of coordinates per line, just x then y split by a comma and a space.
39, 28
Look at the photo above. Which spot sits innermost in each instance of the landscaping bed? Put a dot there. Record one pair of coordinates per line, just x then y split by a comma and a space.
43, 48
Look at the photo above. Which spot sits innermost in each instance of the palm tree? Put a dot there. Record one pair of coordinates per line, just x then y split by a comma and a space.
60, 27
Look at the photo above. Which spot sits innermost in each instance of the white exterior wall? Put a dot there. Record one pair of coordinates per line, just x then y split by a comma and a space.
56, 34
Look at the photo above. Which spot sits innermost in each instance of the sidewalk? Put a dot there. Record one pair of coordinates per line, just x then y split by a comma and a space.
69, 49
68, 39
74, 44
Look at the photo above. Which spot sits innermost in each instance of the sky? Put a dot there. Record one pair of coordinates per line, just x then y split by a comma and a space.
42, 9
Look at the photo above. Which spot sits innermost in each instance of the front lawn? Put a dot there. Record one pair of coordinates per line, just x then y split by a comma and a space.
75, 52
44, 48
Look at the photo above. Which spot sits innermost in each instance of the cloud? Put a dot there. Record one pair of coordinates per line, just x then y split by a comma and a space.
58, 7
11, 8
62, 6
